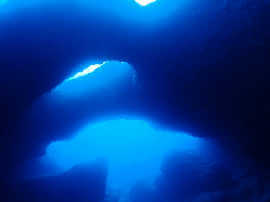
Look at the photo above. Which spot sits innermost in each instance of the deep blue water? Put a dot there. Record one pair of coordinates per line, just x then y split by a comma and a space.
143, 11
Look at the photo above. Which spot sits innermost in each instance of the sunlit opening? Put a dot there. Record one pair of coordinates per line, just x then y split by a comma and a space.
87, 71
145, 2
97, 78
134, 149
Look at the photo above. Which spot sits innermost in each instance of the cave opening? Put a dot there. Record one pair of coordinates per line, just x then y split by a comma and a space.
134, 146
96, 114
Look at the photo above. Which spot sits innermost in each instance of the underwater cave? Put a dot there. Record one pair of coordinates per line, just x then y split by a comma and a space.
134, 101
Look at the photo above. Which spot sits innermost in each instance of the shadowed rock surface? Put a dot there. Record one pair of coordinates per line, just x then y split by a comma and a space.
84, 183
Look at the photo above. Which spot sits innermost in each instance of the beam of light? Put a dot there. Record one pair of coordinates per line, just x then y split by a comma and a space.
134, 149
145, 2
87, 71
97, 78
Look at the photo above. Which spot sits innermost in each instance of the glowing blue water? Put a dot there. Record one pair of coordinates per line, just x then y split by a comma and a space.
3, 2
134, 149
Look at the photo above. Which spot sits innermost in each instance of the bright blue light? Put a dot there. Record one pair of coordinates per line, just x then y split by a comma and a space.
134, 149
145, 2
96, 78
86, 71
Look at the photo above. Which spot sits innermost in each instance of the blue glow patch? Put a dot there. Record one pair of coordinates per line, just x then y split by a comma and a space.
3, 2
145, 2
134, 149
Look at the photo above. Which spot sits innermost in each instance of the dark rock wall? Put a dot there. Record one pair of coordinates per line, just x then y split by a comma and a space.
83, 183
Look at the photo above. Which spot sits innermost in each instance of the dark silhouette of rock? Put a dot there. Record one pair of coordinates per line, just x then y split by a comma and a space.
208, 179
83, 183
